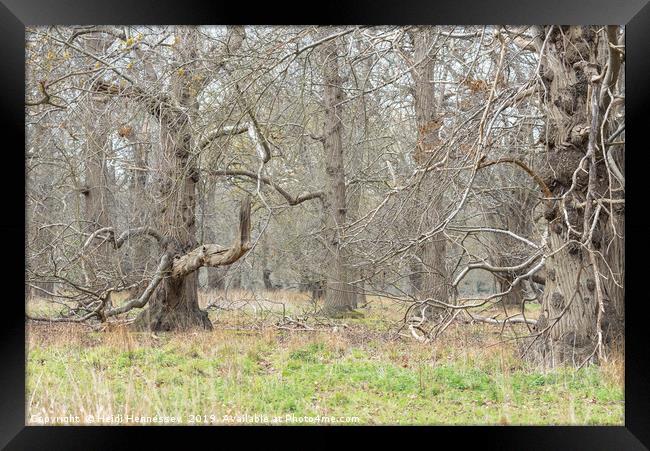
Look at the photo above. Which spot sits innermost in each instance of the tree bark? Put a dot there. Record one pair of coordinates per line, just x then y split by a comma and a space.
266, 278
429, 271
516, 295
266, 271
96, 189
174, 305
138, 185
581, 309
339, 296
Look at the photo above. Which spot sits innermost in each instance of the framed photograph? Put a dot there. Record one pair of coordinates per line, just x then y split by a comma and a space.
378, 214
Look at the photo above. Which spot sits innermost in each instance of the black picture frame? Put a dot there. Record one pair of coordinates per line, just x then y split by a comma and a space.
16, 14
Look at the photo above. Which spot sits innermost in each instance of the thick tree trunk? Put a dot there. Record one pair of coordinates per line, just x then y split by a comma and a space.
581, 305
339, 296
174, 305
569, 307
430, 272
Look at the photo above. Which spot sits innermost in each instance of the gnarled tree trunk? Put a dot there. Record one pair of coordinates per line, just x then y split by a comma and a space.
174, 305
581, 306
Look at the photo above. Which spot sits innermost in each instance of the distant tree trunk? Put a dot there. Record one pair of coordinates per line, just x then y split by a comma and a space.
266, 278
570, 323
216, 278
96, 188
317, 289
430, 276
516, 295
415, 276
235, 280
356, 164
355, 274
37, 238
510, 216
339, 296
138, 185
266, 272
96, 193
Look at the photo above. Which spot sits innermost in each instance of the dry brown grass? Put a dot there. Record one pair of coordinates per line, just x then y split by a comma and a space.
240, 296
614, 367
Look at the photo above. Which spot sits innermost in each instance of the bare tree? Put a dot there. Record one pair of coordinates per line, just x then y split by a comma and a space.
430, 273
339, 295
451, 169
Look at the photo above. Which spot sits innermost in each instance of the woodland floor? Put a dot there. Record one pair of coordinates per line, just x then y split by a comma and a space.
254, 369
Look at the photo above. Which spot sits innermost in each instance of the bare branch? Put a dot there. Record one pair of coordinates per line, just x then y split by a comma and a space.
161, 270
227, 130
292, 200
524, 166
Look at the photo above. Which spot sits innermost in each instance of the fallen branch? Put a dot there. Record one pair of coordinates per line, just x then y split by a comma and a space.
513, 320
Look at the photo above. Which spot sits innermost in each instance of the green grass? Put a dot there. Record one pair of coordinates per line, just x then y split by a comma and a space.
273, 374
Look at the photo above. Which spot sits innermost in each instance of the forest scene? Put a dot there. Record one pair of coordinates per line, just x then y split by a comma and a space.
325, 225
